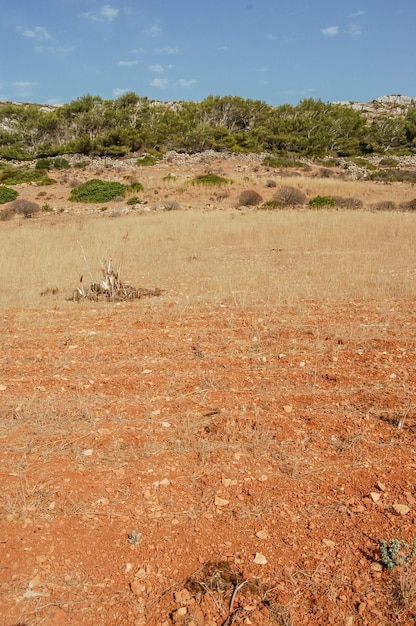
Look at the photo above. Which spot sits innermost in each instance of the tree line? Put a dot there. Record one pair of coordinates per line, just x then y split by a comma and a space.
92, 126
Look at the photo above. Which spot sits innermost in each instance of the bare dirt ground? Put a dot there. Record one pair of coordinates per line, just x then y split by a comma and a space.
181, 461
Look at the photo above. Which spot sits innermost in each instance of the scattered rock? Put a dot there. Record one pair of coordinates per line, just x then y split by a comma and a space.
262, 534
220, 501
260, 559
401, 509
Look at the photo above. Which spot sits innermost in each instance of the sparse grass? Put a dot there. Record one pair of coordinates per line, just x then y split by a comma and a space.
322, 254
210, 179
7, 195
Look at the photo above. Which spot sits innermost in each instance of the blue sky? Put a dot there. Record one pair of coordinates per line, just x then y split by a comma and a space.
278, 51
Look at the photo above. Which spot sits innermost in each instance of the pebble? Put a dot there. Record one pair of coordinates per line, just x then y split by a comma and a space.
401, 509
220, 501
260, 559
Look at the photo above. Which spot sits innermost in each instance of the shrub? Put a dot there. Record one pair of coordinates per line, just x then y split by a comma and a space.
96, 190
408, 206
132, 201
281, 161
147, 159
171, 205
394, 176
384, 205
249, 197
7, 195
324, 172
60, 163
210, 179
135, 186
271, 183
321, 202
6, 214
348, 203
10, 175
388, 162
43, 164
270, 205
27, 208
290, 196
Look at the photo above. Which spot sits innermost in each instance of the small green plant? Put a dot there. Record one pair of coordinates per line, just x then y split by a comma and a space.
396, 552
7, 195
147, 159
96, 190
270, 205
47, 208
132, 201
210, 179
43, 164
170, 177
135, 186
321, 202
282, 162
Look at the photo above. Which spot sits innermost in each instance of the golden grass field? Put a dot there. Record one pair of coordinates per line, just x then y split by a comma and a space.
232, 451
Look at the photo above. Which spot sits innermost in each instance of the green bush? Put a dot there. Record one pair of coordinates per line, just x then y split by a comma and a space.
10, 175
7, 195
135, 187
210, 179
132, 201
321, 202
43, 164
147, 159
96, 190
394, 176
271, 205
282, 162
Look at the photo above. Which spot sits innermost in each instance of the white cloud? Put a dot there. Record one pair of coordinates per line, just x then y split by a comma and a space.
187, 82
109, 12
119, 91
39, 33
160, 83
106, 12
354, 30
154, 31
24, 84
158, 69
168, 50
357, 14
127, 63
330, 31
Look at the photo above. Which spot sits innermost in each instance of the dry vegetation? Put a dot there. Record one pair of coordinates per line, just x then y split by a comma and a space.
231, 451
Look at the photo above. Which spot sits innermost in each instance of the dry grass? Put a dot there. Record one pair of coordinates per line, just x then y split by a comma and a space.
236, 256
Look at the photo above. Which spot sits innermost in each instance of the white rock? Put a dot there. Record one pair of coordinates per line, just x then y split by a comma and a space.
260, 559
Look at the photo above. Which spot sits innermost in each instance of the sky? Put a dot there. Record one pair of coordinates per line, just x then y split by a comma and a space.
276, 51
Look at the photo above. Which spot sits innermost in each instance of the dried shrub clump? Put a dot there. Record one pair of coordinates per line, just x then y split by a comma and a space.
27, 208
111, 288
408, 206
290, 196
348, 203
249, 197
384, 205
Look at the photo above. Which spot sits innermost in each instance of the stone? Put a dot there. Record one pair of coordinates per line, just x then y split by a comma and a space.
262, 534
328, 543
260, 559
220, 501
375, 496
401, 509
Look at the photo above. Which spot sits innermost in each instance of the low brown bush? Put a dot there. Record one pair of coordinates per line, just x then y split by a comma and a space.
290, 196
27, 208
249, 197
